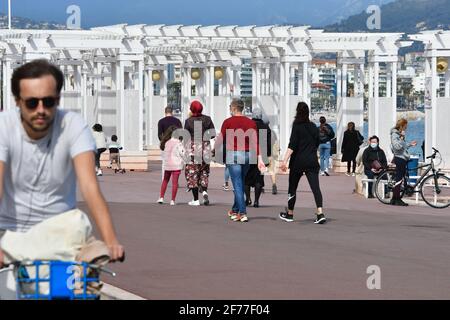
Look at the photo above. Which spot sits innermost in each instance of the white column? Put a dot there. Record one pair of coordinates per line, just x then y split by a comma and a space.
306, 84
237, 83
268, 81
184, 109
276, 98
339, 81
291, 80
376, 93
361, 80
371, 100
255, 85
97, 89
389, 79
344, 80
211, 93
447, 83
121, 98
83, 91
229, 80
434, 88
7, 73
394, 92
286, 93
140, 75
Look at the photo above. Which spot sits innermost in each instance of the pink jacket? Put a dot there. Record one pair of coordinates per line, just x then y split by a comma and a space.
173, 155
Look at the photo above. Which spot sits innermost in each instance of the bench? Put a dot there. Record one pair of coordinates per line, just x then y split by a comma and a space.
366, 182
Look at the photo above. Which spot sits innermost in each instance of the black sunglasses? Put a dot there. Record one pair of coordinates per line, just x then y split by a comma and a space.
48, 102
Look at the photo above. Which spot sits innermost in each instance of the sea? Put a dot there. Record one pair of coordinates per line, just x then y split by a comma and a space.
415, 131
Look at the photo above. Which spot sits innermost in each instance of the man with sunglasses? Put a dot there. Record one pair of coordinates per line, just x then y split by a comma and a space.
43, 152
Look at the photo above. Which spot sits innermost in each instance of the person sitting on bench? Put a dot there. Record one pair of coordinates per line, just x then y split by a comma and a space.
374, 160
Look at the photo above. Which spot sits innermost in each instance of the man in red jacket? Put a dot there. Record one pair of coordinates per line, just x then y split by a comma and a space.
240, 136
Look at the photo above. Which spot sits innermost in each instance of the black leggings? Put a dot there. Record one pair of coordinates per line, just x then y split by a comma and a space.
313, 180
400, 173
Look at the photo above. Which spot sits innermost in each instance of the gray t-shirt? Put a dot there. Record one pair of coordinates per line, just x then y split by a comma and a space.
40, 179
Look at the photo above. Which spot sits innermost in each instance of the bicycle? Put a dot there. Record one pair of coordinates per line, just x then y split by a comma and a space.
434, 188
57, 280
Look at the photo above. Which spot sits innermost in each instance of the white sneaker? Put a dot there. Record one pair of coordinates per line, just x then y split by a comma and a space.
322, 173
161, 201
194, 203
172, 203
99, 173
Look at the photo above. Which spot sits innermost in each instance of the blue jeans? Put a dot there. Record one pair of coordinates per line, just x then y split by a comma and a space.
227, 175
325, 150
238, 169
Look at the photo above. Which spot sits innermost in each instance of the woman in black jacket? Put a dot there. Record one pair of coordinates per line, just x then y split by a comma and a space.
254, 177
302, 152
350, 147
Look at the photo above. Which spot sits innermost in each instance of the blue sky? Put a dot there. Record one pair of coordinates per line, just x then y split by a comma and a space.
203, 12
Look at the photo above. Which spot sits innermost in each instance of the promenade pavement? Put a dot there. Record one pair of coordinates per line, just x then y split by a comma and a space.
184, 252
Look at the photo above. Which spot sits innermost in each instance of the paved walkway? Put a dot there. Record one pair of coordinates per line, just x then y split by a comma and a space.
196, 253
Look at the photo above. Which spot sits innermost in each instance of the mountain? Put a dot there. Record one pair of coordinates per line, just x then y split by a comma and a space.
24, 23
409, 16
346, 9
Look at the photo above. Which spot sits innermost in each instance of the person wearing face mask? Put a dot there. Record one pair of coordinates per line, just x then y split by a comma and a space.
372, 154
400, 149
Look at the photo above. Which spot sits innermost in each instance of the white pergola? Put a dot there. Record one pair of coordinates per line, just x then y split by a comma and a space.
109, 72
437, 106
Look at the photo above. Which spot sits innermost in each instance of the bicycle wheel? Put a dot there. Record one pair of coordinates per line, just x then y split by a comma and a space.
384, 187
436, 192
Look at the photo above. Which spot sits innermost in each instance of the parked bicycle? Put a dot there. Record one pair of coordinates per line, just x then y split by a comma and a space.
433, 185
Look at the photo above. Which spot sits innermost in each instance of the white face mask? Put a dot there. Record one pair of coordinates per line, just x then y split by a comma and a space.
374, 145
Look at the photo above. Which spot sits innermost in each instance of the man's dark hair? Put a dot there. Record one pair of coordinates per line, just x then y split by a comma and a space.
323, 120
168, 110
97, 127
33, 70
114, 138
375, 137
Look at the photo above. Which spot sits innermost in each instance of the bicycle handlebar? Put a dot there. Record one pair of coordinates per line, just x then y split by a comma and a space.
433, 156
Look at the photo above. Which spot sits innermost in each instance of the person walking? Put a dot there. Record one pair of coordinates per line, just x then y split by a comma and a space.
254, 177
350, 147
302, 157
114, 155
164, 124
100, 143
174, 155
326, 134
168, 121
400, 149
239, 139
374, 160
198, 168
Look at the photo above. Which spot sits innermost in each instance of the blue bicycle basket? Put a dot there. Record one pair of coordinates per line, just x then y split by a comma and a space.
55, 280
